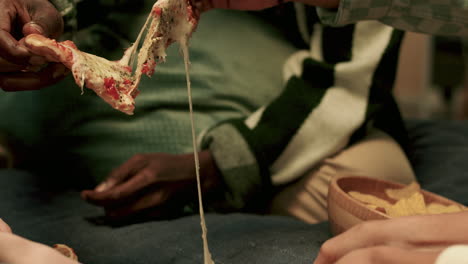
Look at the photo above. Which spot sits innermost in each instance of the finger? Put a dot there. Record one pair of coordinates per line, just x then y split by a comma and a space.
4, 227
32, 27
357, 237
125, 171
151, 199
37, 60
6, 66
122, 192
166, 211
12, 50
165, 204
388, 255
45, 20
34, 60
397, 232
27, 81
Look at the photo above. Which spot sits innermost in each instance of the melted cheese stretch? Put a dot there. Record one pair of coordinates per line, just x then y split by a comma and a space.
206, 250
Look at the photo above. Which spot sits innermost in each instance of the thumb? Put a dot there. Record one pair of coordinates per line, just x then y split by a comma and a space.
45, 20
32, 28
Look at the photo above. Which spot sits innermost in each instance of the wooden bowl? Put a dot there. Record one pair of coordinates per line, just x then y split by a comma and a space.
344, 211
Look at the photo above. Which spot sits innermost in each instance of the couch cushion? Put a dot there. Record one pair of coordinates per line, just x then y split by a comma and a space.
42, 213
439, 155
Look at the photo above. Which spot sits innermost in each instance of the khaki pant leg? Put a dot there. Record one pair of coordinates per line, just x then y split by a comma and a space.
378, 156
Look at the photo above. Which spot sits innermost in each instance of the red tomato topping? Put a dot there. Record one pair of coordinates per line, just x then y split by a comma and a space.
192, 16
109, 82
127, 82
148, 67
135, 93
157, 11
128, 68
111, 88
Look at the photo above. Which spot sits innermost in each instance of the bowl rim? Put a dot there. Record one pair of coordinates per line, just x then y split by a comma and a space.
426, 194
341, 192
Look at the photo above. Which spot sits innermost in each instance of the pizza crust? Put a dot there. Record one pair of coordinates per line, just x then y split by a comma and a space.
66, 251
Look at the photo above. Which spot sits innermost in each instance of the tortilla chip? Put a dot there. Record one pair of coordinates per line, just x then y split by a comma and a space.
405, 192
437, 208
370, 199
413, 205
371, 206
409, 201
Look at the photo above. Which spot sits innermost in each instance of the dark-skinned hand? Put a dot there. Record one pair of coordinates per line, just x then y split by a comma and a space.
154, 183
19, 69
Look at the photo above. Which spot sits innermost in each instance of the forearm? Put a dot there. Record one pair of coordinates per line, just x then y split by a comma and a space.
437, 17
240, 172
321, 3
209, 171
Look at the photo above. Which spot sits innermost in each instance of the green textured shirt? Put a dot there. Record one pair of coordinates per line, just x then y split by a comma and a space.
80, 136
440, 17
274, 94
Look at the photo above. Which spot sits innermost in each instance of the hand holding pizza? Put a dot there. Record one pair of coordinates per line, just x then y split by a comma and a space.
413, 239
205, 5
19, 18
155, 183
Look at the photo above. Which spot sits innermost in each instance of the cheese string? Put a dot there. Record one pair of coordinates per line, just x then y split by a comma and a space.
129, 56
206, 250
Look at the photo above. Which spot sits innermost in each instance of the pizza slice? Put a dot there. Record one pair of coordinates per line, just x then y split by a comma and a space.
116, 82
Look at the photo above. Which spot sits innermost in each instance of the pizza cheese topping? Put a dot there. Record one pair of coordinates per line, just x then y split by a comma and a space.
116, 82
